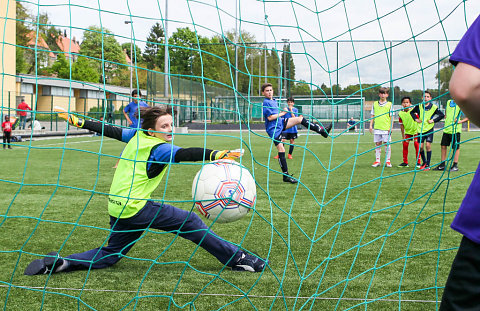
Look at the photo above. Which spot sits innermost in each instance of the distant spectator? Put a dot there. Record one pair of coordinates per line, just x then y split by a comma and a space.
7, 132
23, 107
132, 108
352, 125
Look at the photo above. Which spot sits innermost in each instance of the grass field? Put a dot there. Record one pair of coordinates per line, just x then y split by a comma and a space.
348, 236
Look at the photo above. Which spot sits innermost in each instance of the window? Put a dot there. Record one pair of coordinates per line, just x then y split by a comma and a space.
91, 94
26, 88
56, 91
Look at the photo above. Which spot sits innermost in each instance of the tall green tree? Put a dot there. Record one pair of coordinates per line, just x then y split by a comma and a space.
136, 51
444, 75
183, 51
155, 48
22, 31
101, 45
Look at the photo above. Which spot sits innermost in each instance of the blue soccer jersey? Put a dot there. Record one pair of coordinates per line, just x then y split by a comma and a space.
275, 127
131, 109
291, 114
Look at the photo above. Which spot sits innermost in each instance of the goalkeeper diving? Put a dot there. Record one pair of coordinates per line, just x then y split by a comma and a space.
145, 160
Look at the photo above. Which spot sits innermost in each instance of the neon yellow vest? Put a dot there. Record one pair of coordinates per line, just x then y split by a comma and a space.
410, 126
383, 121
425, 116
131, 187
451, 114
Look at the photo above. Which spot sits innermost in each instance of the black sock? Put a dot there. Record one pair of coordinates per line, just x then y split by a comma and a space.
314, 127
429, 156
290, 151
283, 162
454, 164
422, 154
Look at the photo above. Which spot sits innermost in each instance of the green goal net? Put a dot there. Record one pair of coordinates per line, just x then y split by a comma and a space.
347, 236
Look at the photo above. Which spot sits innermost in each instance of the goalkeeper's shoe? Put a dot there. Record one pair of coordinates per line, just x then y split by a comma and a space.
326, 130
46, 265
70, 118
229, 154
250, 263
289, 178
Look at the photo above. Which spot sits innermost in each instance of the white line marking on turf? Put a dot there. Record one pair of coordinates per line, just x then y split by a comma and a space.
226, 295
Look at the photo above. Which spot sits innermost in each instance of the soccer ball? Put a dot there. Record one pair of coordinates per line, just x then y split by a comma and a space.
224, 191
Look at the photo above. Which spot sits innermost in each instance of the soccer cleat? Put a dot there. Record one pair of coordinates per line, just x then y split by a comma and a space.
376, 164
418, 165
44, 265
403, 164
425, 167
454, 169
290, 179
326, 130
249, 263
388, 164
290, 156
439, 168
276, 157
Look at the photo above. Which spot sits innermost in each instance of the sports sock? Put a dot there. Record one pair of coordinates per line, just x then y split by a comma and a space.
429, 156
405, 152
388, 152
378, 153
454, 164
422, 154
314, 127
290, 150
283, 162
417, 147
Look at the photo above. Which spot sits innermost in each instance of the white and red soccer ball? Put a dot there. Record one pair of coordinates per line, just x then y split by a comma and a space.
224, 191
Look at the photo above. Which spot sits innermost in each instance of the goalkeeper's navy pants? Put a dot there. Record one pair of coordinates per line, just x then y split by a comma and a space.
127, 231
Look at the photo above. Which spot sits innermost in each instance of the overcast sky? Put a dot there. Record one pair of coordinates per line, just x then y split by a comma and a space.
305, 23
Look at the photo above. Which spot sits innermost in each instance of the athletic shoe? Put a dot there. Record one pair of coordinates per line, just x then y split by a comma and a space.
425, 167
419, 166
44, 265
403, 164
249, 263
454, 169
275, 157
388, 164
324, 132
376, 164
290, 156
290, 179
439, 168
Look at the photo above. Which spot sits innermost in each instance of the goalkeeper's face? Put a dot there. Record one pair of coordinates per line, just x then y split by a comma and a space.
163, 128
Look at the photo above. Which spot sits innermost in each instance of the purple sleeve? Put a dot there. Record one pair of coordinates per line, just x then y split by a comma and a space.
468, 49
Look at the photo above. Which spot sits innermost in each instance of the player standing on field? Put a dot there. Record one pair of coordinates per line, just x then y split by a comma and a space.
145, 160
409, 129
462, 290
381, 126
275, 124
451, 135
291, 133
427, 114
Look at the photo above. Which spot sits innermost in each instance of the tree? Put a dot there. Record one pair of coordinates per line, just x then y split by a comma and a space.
444, 75
155, 48
61, 67
101, 45
85, 69
21, 37
136, 50
183, 45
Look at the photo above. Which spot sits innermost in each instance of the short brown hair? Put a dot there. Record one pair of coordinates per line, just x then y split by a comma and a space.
265, 85
384, 90
149, 115
290, 99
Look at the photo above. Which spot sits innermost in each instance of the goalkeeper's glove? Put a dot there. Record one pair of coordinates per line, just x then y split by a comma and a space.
70, 118
229, 154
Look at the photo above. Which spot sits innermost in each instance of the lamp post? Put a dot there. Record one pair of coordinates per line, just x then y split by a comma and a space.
131, 54
284, 73
166, 51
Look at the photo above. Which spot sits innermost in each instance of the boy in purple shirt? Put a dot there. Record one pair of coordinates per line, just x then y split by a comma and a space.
462, 290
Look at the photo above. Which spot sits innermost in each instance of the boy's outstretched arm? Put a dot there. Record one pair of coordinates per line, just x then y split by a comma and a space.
200, 154
98, 127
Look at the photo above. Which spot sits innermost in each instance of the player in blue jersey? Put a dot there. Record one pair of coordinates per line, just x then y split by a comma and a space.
146, 158
275, 124
462, 290
131, 111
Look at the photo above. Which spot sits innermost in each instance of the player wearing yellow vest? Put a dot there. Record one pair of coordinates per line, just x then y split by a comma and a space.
381, 126
146, 158
409, 129
451, 134
426, 114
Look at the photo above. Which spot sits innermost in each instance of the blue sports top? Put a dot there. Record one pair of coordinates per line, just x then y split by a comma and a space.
274, 128
293, 129
131, 109
467, 220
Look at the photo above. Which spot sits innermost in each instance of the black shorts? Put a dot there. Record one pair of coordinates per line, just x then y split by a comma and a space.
453, 139
462, 291
427, 136
289, 135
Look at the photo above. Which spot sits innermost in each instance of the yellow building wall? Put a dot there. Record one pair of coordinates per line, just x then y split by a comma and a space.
7, 52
